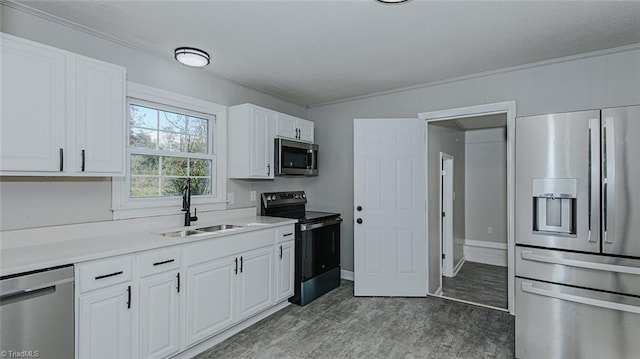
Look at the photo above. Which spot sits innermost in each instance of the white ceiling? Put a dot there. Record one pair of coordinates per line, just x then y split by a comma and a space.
474, 123
312, 52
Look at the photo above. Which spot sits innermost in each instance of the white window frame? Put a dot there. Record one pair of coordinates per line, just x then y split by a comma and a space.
124, 207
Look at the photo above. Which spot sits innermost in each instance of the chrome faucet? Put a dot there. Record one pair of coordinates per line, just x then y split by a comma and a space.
186, 204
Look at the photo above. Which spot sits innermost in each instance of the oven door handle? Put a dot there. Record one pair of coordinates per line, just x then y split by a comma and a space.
310, 226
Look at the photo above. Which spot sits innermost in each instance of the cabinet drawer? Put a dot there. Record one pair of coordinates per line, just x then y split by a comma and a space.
286, 233
158, 261
104, 273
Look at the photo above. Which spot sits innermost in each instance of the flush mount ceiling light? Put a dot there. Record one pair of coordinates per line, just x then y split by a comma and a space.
392, 2
192, 57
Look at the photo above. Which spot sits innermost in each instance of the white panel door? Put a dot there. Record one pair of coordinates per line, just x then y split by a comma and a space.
210, 298
33, 112
100, 117
262, 145
104, 320
389, 207
255, 282
159, 316
285, 260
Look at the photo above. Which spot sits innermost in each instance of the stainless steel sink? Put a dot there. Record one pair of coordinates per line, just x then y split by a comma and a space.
203, 230
184, 233
219, 228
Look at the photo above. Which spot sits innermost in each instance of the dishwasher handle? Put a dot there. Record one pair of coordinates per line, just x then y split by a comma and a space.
26, 295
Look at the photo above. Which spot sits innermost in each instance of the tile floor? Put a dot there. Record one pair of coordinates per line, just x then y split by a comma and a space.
339, 325
478, 283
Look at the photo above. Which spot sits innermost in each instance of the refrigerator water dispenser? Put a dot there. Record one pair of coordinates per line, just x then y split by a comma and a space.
554, 206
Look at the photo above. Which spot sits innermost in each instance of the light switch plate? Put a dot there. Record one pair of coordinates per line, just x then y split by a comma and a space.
490, 230
231, 197
253, 195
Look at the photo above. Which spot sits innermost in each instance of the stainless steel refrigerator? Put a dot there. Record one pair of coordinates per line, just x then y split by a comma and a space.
578, 234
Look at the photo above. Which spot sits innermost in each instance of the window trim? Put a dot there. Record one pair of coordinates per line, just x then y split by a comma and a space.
124, 207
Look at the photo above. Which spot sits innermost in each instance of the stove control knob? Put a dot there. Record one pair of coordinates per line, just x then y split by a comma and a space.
304, 196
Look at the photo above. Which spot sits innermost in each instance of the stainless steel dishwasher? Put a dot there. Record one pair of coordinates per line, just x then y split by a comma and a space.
37, 314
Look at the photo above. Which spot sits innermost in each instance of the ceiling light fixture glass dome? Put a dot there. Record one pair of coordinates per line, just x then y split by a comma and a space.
192, 57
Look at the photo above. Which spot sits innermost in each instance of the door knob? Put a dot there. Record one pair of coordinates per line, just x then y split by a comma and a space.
359, 220
359, 208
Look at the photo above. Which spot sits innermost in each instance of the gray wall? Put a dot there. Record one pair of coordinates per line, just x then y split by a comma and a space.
486, 184
571, 84
40, 201
451, 142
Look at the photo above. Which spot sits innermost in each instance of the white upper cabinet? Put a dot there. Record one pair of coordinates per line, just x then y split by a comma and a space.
250, 142
62, 113
34, 109
100, 114
294, 128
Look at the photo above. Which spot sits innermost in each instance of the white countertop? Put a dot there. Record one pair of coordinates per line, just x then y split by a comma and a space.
44, 255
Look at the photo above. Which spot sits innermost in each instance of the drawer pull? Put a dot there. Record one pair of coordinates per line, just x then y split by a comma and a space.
108, 275
164, 262
287, 234
528, 255
529, 288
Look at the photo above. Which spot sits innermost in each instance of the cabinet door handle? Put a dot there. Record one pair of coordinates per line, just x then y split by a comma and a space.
163, 262
61, 159
269, 169
280, 252
240, 264
109, 275
287, 234
236, 269
129, 297
82, 154
178, 286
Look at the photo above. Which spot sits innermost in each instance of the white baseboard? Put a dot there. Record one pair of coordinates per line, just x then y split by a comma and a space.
209, 343
486, 252
438, 292
458, 266
347, 275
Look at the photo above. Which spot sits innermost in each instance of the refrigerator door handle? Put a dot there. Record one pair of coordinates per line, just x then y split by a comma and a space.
593, 172
528, 255
608, 183
529, 288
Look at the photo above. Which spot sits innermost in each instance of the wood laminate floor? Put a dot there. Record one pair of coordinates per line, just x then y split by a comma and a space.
478, 283
339, 325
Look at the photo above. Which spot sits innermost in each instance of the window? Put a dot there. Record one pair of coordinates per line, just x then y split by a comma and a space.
170, 137
166, 147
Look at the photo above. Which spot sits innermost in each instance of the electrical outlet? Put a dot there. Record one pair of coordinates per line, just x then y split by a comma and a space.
231, 197
253, 195
490, 230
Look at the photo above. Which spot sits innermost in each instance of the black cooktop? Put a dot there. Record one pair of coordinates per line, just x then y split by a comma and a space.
291, 205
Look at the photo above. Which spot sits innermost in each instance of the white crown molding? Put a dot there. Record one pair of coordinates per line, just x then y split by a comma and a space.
555, 61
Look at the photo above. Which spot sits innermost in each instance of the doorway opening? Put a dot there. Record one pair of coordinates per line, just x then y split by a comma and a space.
470, 220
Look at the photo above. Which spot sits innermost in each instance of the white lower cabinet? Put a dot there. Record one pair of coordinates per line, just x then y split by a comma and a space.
157, 303
159, 311
225, 291
285, 262
255, 282
105, 307
211, 289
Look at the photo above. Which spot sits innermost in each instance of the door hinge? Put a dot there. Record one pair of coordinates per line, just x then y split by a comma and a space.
443, 214
443, 255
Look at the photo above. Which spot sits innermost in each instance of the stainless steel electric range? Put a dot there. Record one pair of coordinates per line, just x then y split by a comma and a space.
317, 245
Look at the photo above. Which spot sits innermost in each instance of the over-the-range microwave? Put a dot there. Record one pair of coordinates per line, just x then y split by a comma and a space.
293, 158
